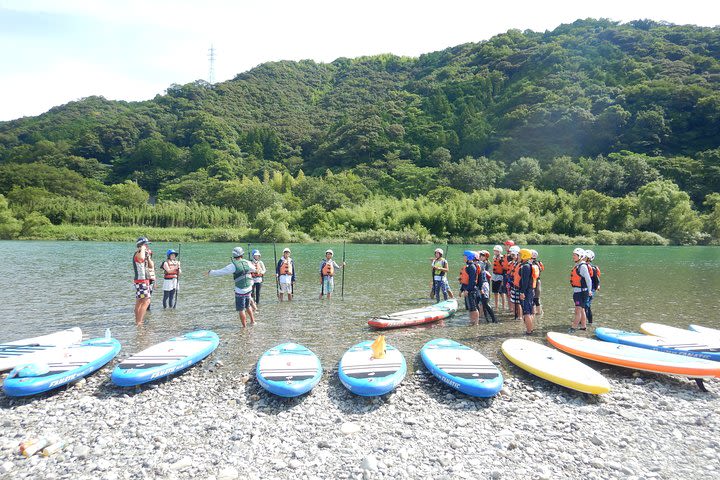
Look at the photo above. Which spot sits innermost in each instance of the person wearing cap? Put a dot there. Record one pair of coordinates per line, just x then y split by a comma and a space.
468, 286
538, 268
580, 280
526, 289
595, 283
257, 276
241, 271
141, 281
285, 272
327, 273
440, 268
498, 276
171, 267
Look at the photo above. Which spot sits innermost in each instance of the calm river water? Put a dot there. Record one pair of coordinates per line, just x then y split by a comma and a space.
47, 286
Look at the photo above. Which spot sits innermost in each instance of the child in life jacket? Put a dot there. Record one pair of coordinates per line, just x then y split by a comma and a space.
171, 283
327, 274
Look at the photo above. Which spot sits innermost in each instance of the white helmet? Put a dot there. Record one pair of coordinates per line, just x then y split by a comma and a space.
514, 250
286, 250
579, 252
440, 251
238, 252
590, 254
498, 248
534, 253
329, 251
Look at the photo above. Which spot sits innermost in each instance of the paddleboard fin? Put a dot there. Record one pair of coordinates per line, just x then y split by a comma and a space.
108, 335
701, 384
378, 347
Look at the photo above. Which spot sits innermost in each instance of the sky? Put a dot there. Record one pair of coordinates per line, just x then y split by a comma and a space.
56, 51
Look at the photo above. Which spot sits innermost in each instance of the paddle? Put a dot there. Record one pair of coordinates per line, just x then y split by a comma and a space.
277, 279
177, 285
342, 278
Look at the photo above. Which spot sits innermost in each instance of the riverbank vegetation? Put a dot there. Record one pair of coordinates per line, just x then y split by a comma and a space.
596, 132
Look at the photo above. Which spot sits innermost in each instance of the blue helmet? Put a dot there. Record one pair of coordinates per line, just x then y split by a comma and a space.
469, 254
171, 251
255, 252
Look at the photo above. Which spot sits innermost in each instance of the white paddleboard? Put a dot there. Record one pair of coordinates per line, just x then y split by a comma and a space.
35, 349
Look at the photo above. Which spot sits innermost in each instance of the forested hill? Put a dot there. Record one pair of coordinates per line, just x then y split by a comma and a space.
591, 105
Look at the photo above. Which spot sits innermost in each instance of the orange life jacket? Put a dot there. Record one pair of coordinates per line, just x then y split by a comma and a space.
286, 267
575, 279
172, 269
256, 273
516, 274
328, 270
535, 274
498, 268
508, 265
464, 277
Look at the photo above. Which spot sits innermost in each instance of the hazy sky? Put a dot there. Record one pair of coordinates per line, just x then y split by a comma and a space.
55, 51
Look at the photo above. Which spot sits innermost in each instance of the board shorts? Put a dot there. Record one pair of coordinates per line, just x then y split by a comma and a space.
286, 288
580, 298
142, 290
242, 301
169, 284
528, 303
514, 294
472, 299
496, 286
328, 284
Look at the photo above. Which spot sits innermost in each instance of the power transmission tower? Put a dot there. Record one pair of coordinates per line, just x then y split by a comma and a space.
211, 57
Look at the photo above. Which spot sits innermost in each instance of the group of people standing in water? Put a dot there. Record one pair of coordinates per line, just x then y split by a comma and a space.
512, 278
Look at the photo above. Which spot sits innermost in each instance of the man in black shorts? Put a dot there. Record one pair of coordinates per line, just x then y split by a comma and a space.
526, 290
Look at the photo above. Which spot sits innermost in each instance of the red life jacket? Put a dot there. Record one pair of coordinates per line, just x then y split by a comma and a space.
172, 269
256, 273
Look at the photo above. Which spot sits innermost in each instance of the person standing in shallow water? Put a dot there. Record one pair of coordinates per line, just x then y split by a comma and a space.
580, 281
594, 271
468, 286
526, 290
257, 276
141, 279
285, 271
241, 271
327, 274
440, 283
171, 267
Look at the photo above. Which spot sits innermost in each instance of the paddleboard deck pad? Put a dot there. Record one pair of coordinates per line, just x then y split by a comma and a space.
24, 351
61, 367
288, 370
554, 366
461, 367
166, 358
367, 376
417, 316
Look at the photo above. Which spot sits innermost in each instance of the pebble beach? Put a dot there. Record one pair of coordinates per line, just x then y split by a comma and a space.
211, 423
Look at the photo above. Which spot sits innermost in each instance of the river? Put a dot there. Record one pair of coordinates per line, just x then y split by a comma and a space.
49, 286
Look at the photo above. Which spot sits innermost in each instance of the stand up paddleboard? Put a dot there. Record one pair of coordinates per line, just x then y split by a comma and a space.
166, 358
19, 352
635, 357
288, 370
417, 316
461, 367
61, 367
681, 335
367, 376
554, 366
713, 333
690, 346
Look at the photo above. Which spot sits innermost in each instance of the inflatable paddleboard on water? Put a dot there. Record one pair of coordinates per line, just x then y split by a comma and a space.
34, 349
367, 376
288, 370
461, 367
166, 358
417, 316
554, 366
690, 346
61, 367
635, 357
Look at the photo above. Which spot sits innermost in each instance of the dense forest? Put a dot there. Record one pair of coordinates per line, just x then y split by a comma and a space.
595, 132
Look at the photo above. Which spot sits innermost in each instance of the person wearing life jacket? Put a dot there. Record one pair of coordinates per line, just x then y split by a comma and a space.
327, 273
151, 275
595, 283
511, 271
526, 289
580, 281
538, 268
257, 276
498, 274
440, 268
241, 271
141, 280
171, 267
285, 272
468, 286
484, 277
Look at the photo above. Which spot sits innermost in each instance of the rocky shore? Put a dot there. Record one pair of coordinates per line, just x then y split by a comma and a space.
214, 424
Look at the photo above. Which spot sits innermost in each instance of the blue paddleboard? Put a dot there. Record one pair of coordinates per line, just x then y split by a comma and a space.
166, 358
461, 367
367, 376
684, 346
63, 366
288, 370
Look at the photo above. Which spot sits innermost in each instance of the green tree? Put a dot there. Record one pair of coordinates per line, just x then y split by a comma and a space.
665, 209
128, 194
9, 225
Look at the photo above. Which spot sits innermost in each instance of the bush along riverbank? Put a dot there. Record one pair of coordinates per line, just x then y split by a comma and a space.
209, 423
